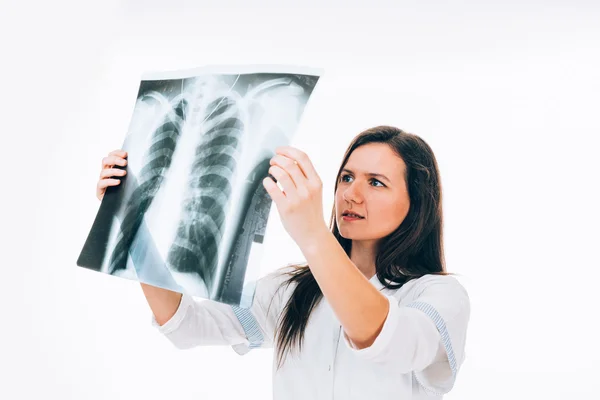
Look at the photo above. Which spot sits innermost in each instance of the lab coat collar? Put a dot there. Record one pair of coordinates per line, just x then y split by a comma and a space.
375, 281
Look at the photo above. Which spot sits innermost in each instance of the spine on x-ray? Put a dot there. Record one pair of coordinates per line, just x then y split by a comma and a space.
199, 234
157, 161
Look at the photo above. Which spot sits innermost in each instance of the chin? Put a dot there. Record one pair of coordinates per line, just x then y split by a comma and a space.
348, 234
344, 233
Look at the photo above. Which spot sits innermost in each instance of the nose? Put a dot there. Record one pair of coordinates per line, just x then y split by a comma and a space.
352, 193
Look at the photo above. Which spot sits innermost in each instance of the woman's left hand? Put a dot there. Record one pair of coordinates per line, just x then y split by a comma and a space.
300, 205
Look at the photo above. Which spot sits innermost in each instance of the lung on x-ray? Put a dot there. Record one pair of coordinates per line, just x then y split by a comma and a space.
190, 214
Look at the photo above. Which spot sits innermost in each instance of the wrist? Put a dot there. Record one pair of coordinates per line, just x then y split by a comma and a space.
317, 240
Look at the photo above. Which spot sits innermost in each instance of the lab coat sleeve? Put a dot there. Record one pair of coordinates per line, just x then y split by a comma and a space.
203, 322
426, 336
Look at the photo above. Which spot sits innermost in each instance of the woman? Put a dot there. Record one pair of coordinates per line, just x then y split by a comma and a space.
372, 314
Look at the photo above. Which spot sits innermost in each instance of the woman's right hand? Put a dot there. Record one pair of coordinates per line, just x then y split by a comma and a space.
115, 157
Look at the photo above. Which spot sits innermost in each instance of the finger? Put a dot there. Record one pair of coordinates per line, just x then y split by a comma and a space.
303, 161
291, 167
271, 187
284, 179
112, 160
104, 183
108, 172
119, 153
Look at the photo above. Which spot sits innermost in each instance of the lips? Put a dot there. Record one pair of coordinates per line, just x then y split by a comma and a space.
348, 213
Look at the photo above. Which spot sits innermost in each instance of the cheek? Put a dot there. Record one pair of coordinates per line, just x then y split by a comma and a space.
402, 208
337, 199
392, 212
338, 202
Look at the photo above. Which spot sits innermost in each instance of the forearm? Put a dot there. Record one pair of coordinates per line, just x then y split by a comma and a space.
187, 322
359, 306
163, 302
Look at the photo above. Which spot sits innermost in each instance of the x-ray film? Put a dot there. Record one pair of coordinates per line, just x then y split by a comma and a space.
190, 214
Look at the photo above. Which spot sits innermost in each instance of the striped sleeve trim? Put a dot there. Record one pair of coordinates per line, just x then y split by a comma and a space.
445, 336
250, 325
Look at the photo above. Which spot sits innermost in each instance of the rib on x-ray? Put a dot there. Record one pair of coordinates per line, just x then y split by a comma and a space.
191, 213
157, 161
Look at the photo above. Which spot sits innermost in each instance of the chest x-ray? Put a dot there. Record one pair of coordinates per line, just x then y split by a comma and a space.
191, 213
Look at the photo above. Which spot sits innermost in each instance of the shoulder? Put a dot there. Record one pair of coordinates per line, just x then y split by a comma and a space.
444, 293
275, 285
277, 278
442, 283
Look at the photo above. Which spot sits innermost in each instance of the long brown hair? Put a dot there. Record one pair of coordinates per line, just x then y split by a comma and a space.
414, 249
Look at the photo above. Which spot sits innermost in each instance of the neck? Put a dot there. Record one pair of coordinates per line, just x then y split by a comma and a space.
363, 255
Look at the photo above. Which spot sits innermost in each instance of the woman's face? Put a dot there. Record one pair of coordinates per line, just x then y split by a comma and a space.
372, 185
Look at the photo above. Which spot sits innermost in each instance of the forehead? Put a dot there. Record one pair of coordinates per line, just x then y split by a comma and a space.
378, 158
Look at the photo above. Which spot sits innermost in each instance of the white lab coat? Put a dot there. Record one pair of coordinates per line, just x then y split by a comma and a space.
417, 354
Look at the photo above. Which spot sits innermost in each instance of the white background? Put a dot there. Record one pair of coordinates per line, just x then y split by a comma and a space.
506, 93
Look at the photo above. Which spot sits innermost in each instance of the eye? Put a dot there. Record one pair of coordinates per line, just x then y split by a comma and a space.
344, 176
375, 180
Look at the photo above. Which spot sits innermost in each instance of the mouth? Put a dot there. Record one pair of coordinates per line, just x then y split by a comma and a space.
351, 215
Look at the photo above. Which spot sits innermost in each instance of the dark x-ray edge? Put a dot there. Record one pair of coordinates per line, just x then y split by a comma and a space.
143, 251
229, 285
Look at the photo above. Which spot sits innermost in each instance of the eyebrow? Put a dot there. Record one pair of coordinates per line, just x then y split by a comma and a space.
369, 174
